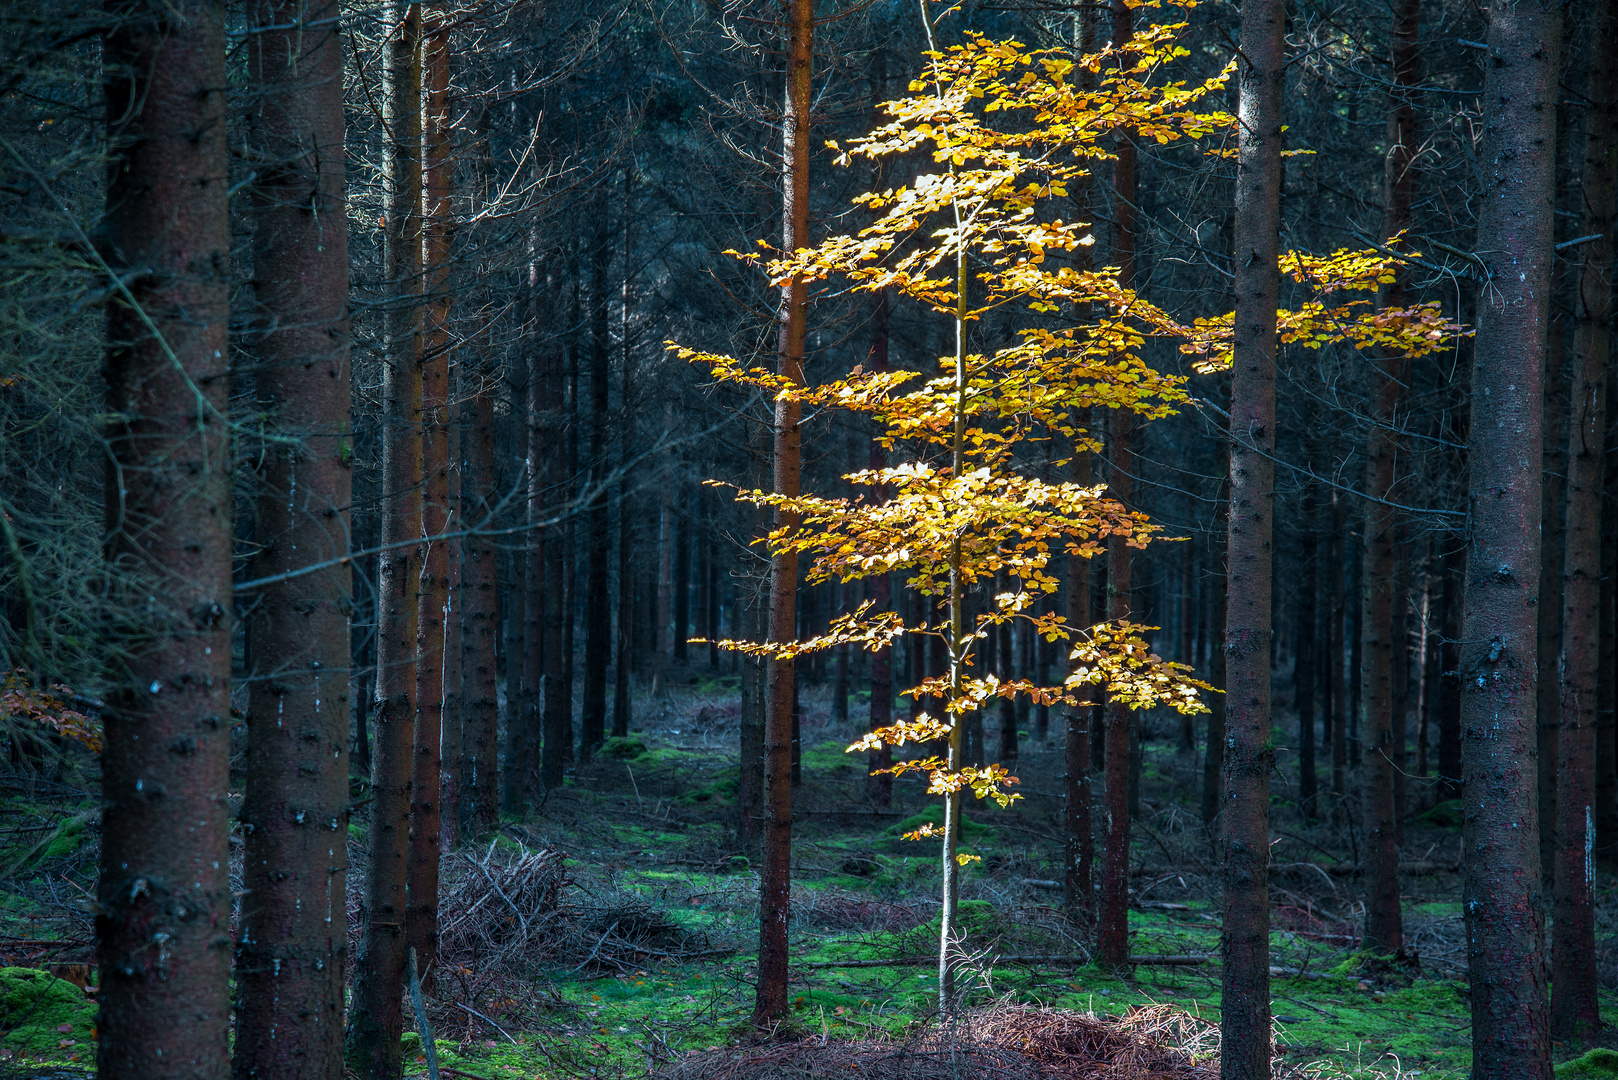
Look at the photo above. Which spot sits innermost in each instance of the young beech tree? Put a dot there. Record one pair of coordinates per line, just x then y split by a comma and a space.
965, 241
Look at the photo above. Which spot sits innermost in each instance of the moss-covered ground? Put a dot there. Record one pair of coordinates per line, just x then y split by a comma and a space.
659, 823
654, 955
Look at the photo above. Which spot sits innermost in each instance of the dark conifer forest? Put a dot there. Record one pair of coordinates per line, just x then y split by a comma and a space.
763, 539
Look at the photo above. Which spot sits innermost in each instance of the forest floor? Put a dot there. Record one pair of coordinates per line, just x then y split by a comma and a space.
611, 933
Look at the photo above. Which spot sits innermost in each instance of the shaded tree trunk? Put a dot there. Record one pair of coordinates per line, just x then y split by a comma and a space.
480, 626
1112, 922
438, 513
290, 956
1575, 1015
597, 603
452, 742
163, 894
1383, 924
552, 640
1245, 1022
1502, 897
1304, 678
376, 1018
775, 878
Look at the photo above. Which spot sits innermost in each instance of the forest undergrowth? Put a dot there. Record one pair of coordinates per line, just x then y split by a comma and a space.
610, 932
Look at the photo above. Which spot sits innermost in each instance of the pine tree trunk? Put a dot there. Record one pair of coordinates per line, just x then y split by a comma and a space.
163, 894
597, 602
775, 879
1213, 759
1304, 675
1245, 1023
290, 958
682, 587
432, 618
1112, 922
1187, 743
1078, 843
552, 641
1383, 923
452, 743
480, 625
752, 608
1339, 652
528, 563
376, 1017
1574, 1012
1502, 893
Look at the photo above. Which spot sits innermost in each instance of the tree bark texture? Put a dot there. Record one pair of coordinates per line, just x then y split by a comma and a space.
480, 626
1112, 922
437, 511
163, 896
1304, 677
450, 743
1502, 891
376, 1017
551, 638
597, 602
1574, 1012
775, 879
293, 944
1383, 926
1245, 1022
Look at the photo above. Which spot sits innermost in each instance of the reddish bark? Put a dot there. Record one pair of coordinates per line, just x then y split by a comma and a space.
163, 896
376, 1017
1502, 891
1574, 1012
480, 593
775, 879
1383, 925
293, 947
437, 511
1248, 759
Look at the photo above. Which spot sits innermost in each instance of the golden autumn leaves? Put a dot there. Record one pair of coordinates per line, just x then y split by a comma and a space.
965, 240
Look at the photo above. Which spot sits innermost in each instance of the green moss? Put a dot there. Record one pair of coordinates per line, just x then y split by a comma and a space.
722, 789
39, 1012
623, 748
1598, 1064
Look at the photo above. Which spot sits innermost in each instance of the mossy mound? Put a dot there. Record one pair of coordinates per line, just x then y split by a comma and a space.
623, 748
1598, 1064
39, 1012
934, 816
1446, 815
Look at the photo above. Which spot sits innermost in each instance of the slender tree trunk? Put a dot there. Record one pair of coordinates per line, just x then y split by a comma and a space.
775, 878
291, 955
1606, 782
438, 512
376, 1017
557, 716
1575, 1015
1187, 742
480, 626
452, 742
525, 654
624, 652
1008, 670
682, 587
1303, 671
1245, 1023
1502, 896
1339, 651
1213, 760
1112, 923
753, 626
597, 603
163, 895
1383, 924
665, 575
